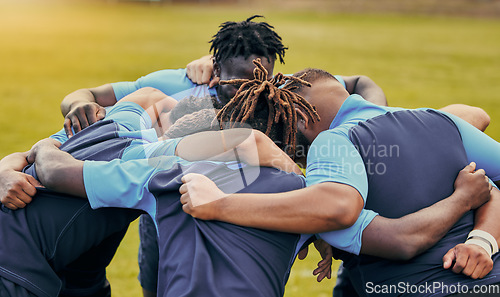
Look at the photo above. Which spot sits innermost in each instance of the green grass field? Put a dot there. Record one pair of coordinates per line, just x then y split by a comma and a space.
50, 49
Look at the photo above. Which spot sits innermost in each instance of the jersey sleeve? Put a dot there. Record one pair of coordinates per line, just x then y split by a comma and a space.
341, 80
130, 116
151, 149
60, 136
350, 239
333, 158
169, 81
119, 184
480, 148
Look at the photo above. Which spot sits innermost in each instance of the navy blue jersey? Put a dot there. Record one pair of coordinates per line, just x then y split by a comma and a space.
51, 233
402, 161
201, 258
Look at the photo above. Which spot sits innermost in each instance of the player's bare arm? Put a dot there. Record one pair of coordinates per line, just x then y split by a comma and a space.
408, 236
366, 87
319, 208
250, 146
84, 107
16, 188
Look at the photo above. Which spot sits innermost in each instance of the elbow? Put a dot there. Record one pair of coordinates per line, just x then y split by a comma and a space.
409, 247
342, 205
475, 116
483, 119
343, 215
405, 252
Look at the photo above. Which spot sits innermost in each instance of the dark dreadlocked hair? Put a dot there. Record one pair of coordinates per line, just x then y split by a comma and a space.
268, 106
311, 75
247, 38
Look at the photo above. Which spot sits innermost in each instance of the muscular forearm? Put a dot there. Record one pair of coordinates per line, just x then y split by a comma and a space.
408, 236
59, 171
78, 96
486, 217
319, 208
15, 161
102, 95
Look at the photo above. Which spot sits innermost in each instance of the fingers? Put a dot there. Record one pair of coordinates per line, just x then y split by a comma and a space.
67, 127
303, 253
480, 172
101, 113
324, 270
183, 189
469, 267
9, 205
89, 115
460, 262
188, 177
184, 198
34, 183
470, 260
448, 259
82, 117
206, 75
215, 81
470, 168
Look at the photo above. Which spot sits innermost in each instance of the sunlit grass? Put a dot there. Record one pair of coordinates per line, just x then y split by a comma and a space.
49, 50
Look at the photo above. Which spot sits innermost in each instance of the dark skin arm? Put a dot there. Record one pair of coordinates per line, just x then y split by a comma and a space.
57, 170
366, 88
318, 208
84, 107
470, 259
408, 236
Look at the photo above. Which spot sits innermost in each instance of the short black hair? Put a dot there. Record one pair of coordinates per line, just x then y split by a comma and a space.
264, 105
311, 75
247, 38
192, 104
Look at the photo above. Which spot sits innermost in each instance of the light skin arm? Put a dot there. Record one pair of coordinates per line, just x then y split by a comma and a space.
475, 116
318, 208
250, 146
201, 71
156, 103
84, 107
366, 87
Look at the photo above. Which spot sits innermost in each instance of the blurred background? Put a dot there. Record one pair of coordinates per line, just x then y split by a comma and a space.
421, 52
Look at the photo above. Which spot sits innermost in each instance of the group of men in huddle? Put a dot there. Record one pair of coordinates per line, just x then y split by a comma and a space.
207, 155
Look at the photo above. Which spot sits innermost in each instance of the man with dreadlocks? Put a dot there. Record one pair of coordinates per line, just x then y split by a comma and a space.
357, 172
234, 47
197, 258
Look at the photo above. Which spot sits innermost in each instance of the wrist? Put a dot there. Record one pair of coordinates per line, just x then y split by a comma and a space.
462, 200
484, 240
